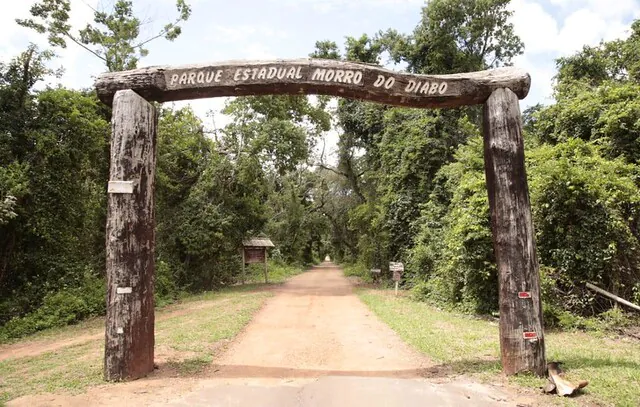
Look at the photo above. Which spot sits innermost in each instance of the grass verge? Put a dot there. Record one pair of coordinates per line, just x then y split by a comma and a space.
277, 272
188, 335
471, 346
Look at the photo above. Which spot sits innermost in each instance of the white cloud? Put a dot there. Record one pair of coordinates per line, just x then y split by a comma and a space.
604, 8
14, 39
549, 36
588, 24
535, 26
12, 36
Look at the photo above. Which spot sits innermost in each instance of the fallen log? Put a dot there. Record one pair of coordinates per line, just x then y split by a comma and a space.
613, 297
559, 384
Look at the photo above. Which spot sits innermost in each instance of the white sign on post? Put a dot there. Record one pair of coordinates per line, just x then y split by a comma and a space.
397, 269
396, 266
120, 187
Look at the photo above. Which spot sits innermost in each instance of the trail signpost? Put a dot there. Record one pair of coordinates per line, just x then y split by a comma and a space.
254, 250
397, 269
129, 346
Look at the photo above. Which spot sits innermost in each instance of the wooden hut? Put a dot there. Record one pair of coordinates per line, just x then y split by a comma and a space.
255, 251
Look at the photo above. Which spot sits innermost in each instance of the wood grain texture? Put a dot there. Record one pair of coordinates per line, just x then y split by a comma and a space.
130, 240
513, 236
312, 76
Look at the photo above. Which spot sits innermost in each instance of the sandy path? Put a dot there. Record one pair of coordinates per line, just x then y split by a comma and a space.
315, 325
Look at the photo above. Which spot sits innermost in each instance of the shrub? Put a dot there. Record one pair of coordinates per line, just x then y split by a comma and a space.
358, 270
60, 308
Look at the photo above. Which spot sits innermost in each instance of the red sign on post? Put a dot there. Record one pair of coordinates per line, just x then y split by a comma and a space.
530, 335
524, 295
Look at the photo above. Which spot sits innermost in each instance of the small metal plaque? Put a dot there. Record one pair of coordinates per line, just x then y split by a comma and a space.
120, 187
376, 271
524, 295
397, 276
124, 290
530, 335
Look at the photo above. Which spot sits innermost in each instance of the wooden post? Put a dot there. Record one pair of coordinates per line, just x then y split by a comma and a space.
521, 331
243, 266
130, 239
266, 279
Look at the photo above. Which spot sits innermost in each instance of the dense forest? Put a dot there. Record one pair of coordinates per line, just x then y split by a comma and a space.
408, 185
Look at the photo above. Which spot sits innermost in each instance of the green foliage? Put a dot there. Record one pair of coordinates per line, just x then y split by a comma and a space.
278, 272
389, 157
454, 252
457, 36
358, 270
585, 210
53, 162
60, 308
608, 113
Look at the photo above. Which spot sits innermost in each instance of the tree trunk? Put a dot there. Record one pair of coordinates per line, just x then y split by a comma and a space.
129, 336
521, 330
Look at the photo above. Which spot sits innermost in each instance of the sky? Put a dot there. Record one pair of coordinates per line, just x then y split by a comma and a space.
269, 29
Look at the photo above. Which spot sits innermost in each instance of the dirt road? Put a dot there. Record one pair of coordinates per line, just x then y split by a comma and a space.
313, 344
316, 326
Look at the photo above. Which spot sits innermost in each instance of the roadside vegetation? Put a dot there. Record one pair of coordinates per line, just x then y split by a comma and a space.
464, 344
72, 306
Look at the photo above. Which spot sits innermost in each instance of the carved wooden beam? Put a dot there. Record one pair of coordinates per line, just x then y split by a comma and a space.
312, 76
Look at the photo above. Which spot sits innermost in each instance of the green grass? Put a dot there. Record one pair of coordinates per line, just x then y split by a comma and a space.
71, 369
192, 330
192, 366
277, 272
358, 270
469, 345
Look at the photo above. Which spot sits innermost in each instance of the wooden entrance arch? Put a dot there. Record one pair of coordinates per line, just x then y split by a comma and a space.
130, 239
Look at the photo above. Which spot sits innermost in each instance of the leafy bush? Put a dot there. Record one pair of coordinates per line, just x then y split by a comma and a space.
454, 252
60, 308
358, 270
166, 289
585, 210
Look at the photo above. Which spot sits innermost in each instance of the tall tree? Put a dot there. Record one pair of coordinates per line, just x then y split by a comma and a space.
456, 36
390, 156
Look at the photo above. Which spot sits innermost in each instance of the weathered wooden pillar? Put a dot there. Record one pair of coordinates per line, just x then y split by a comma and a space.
521, 330
266, 272
130, 240
244, 277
